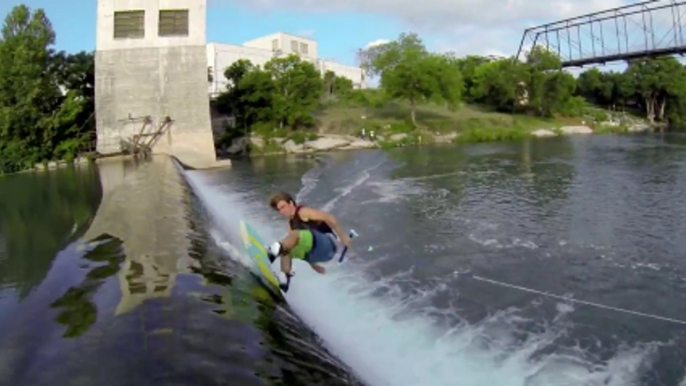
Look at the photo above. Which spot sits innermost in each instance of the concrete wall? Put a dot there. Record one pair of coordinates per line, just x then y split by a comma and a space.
284, 44
265, 42
154, 76
309, 52
355, 74
221, 56
197, 16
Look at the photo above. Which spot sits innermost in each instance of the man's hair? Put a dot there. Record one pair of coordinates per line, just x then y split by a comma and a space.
280, 196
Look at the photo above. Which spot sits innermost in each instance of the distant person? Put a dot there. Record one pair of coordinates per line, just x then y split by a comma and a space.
311, 235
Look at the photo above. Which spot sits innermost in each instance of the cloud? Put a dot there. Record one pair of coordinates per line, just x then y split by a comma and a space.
447, 14
482, 27
477, 41
376, 42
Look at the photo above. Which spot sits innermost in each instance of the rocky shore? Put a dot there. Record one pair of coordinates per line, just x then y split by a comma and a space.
567, 130
329, 142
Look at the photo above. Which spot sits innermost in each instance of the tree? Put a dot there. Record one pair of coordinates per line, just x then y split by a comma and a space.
608, 89
298, 88
374, 60
409, 72
500, 84
656, 82
249, 94
75, 75
336, 86
41, 98
285, 92
548, 88
468, 66
558, 89
593, 86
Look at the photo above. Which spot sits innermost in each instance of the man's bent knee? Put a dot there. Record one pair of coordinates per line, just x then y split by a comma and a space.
291, 240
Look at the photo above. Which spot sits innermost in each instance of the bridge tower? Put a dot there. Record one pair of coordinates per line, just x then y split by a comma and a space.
151, 79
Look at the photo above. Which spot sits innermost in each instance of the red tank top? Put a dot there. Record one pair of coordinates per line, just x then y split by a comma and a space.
298, 223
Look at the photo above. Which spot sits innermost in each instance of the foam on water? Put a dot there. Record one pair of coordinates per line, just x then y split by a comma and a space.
393, 336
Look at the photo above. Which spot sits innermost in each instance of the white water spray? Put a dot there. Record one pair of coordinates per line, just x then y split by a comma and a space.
387, 340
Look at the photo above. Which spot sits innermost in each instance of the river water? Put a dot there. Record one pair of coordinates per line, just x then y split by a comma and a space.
451, 281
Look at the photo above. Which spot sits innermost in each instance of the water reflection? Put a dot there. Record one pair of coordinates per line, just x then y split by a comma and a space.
143, 296
148, 211
76, 308
39, 214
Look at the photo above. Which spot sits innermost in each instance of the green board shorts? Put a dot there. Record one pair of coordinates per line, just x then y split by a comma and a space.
314, 247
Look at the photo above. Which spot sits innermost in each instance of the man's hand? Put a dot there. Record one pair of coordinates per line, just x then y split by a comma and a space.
345, 240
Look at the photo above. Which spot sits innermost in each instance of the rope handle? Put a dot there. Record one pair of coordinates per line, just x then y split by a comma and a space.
351, 234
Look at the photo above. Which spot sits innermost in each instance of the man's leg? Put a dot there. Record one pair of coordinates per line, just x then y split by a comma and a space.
324, 250
288, 243
286, 264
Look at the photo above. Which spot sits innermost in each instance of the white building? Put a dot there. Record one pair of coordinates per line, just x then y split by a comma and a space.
259, 51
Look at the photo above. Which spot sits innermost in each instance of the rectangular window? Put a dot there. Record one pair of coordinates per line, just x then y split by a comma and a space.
294, 46
173, 22
275, 44
303, 48
129, 24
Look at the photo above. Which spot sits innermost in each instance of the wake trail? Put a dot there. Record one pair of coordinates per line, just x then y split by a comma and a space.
389, 334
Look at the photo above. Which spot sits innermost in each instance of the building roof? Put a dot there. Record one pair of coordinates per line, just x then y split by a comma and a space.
283, 33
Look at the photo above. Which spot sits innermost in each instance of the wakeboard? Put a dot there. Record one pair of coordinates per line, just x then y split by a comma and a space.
254, 247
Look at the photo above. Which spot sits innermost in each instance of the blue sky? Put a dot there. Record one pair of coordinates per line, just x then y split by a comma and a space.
230, 23
341, 27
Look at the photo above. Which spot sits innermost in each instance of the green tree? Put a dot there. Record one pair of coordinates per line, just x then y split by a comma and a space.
501, 84
549, 89
298, 87
622, 89
409, 72
249, 94
374, 60
656, 82
75, 75
336, 86
608, 89
558, 90
286, 93
593, 86
468, 66
39, 112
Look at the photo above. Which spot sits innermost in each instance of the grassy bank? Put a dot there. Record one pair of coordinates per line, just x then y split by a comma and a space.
468, 123
391, 125
343, 119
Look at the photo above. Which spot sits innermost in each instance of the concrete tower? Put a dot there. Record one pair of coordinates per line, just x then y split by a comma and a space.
151, 77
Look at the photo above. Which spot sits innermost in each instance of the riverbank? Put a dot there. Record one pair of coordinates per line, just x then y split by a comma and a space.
348, 128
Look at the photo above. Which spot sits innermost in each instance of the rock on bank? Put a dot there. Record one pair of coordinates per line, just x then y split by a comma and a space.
258, 145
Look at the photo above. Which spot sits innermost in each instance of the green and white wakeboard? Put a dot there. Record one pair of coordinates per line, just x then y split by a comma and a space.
254, 247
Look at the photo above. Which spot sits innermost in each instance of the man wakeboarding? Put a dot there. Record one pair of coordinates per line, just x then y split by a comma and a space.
310, 237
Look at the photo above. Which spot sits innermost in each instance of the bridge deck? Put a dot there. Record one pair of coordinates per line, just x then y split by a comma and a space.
680, 50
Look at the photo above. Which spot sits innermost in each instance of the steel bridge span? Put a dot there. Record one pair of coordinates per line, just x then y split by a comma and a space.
642, 30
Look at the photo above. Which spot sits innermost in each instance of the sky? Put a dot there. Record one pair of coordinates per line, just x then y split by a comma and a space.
341, 27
